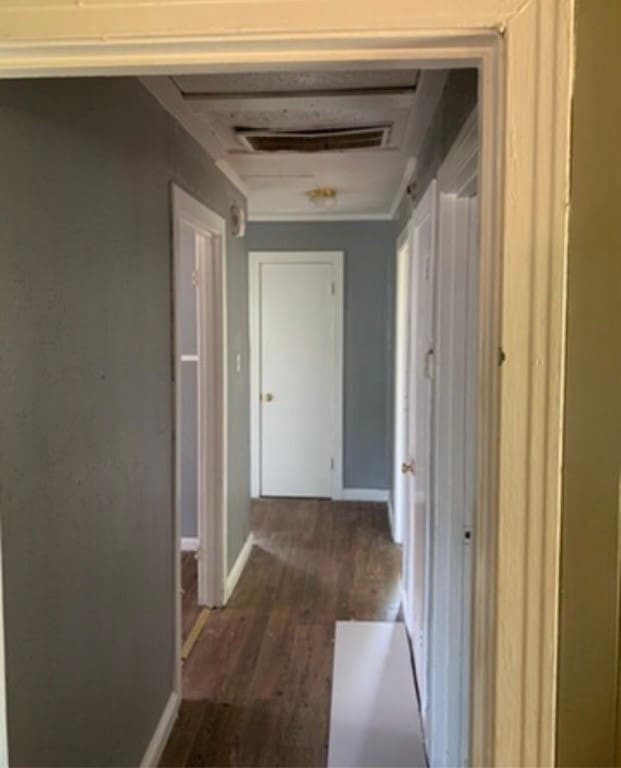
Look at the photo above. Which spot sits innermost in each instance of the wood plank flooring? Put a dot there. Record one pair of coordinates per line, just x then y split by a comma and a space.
257, 685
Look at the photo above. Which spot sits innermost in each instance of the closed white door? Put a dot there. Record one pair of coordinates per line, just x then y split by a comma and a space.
298, 376
418, 464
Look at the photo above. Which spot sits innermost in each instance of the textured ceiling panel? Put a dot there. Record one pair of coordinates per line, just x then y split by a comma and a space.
311, 80
367, 181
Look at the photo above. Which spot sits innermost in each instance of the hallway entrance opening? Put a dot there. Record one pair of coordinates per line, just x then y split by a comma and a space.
363, 363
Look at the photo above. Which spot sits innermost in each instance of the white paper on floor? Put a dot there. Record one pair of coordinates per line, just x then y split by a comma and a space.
374, 718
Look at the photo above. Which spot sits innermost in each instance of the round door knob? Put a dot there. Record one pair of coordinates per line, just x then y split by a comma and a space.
269, 397
407, 468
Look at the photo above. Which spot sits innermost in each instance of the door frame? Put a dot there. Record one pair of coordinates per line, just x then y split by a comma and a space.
523, 50
450, 629
211, 413
255, 260
402, 315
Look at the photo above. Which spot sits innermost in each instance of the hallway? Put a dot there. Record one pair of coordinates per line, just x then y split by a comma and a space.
257, 685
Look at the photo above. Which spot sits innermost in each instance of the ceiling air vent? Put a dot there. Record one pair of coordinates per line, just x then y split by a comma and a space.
323, 140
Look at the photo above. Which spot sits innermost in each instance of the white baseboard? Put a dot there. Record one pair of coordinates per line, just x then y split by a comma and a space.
165, 725
391, 517
189, 544
238, 567
365, 494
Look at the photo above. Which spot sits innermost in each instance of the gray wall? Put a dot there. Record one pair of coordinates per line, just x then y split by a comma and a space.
368, 335
86, 411
457, 102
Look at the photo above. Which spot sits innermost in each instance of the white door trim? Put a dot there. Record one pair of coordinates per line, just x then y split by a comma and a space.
524, 53
255, 259
403, 258
212, 413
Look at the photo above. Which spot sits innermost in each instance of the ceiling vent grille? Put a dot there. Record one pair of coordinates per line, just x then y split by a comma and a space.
323, 140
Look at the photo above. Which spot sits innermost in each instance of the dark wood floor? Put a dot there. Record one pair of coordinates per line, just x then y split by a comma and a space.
257, 685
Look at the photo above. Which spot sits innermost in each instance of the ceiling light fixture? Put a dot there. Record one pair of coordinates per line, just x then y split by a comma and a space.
322, 197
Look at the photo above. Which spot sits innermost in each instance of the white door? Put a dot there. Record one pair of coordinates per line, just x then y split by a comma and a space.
298, 376
402, 316
418, 464
454, 448
469, 503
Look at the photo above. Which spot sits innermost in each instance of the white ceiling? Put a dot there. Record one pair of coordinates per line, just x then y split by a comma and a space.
368, 182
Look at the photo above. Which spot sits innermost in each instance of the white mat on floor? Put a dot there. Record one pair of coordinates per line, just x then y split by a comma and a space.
374, 720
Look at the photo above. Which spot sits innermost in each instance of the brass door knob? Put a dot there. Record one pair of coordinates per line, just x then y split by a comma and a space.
268, 398
408, 468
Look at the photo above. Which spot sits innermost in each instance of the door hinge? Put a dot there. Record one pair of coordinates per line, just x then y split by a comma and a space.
195, 277
501, 356
333, 289
331, 463
467, 535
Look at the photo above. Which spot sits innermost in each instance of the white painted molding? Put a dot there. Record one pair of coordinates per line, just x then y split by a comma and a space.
391, 518
164, 727
189, 543
278, 217
238, 567
366, 494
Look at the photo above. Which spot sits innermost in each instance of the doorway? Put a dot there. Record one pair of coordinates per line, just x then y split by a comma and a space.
514, 700
199, 255
296, 318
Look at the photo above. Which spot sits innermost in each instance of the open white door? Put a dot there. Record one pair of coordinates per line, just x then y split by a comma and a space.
402, 337
418, 466
454, 452
297, 381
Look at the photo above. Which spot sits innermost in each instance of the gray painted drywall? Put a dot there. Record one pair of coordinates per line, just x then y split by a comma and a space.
86, 411
368, 333
457, 102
